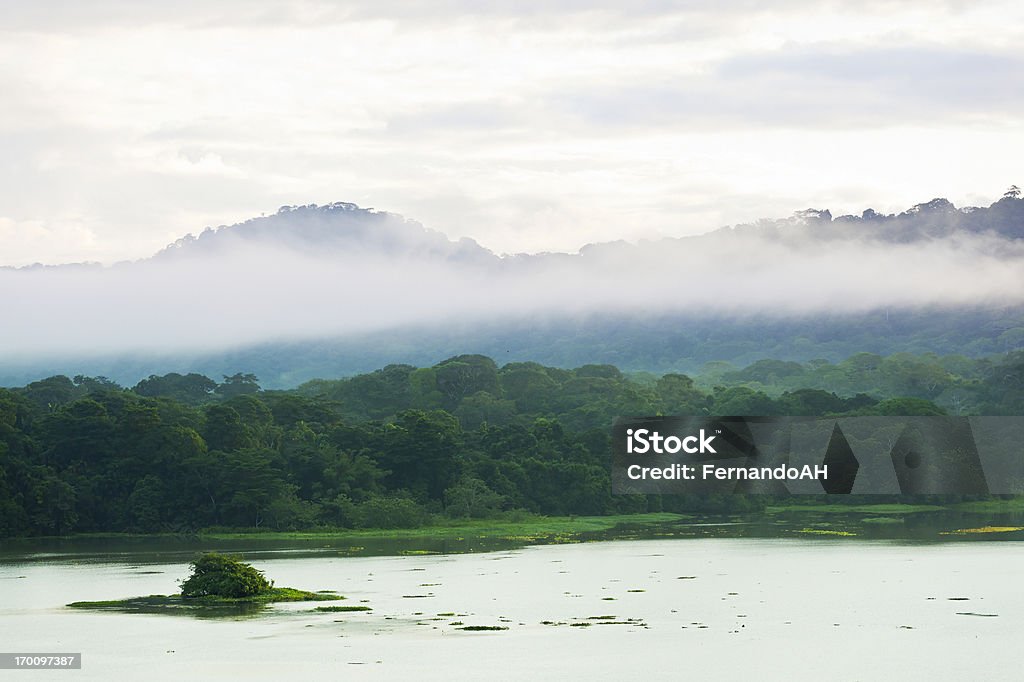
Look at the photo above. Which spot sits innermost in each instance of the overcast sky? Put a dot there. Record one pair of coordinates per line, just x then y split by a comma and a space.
528, 126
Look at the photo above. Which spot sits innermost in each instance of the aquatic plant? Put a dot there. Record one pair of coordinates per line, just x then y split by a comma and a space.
219, 575
984, 529
483, 628
820, 531
219, 585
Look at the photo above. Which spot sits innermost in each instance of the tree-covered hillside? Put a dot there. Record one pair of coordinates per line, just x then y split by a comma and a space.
335, 290
465, 437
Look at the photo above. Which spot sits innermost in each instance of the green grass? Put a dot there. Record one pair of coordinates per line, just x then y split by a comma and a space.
556, 529
274, 594
1015, 504
533, 528
1012, 505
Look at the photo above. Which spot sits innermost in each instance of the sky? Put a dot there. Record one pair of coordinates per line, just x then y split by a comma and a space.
529, 126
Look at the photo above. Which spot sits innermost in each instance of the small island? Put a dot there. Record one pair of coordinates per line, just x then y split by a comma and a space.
219, 585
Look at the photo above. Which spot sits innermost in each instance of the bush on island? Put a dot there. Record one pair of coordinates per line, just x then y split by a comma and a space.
217, 575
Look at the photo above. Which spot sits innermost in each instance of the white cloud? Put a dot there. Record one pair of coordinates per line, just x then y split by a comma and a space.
528, 126
243, 292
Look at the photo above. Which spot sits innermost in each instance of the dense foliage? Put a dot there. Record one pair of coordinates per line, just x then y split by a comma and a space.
218, 575
389, 448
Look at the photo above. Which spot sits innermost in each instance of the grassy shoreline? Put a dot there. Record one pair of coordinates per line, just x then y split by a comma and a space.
1009, 506
479, 529
441, 529
560, 528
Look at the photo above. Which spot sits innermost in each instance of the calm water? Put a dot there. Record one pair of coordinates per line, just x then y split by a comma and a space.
704, 608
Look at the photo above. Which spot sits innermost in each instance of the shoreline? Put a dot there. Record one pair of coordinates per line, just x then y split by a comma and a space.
553, 530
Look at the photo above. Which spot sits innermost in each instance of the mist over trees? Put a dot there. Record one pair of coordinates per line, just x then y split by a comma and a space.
933, 278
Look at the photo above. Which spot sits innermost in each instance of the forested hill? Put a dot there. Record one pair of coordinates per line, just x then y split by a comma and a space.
346, 228
935, 219
339, 228
386, 449
326, 291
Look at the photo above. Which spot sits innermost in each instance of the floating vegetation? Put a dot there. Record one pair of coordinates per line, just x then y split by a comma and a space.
984, 529
820, 531
219, 586
447, 614
599, 620
629, 621
417, 596
524, 538
636, 590
980, 615
204, 607
687, 577
958, 598
483, 628
341, 609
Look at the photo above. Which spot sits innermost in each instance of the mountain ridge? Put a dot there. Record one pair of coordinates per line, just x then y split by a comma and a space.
316, 291
319, 229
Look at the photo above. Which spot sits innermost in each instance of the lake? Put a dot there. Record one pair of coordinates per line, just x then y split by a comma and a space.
829, 608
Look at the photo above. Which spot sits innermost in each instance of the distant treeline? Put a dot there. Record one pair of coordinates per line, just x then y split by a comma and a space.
389, 449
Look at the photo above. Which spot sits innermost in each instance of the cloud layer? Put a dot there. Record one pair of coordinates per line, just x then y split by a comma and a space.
228, 291
528, 126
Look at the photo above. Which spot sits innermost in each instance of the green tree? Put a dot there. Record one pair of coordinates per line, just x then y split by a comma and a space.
238, 384
191, 389
420, 451
472, 498
464, 375
223, 429
217, 575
